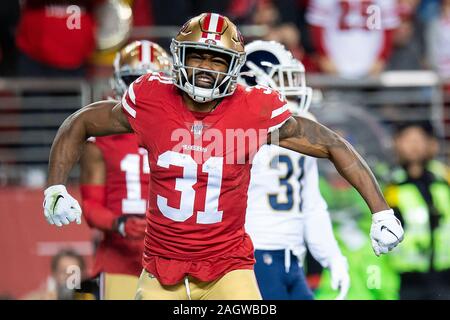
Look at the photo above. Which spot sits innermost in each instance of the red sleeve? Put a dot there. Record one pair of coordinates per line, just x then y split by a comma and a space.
94, 209
278, 117
272, 109
136, 99
132, 102
129, 100
386, 50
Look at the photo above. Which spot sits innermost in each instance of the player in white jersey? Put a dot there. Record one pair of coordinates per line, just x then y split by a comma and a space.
353, 38
285, 210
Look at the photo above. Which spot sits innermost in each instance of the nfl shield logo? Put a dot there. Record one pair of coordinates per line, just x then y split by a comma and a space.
197, 128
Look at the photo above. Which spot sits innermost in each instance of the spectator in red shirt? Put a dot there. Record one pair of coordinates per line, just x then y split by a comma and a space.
55, 38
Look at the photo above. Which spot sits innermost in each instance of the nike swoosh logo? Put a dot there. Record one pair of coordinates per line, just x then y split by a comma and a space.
384, 227
56, 201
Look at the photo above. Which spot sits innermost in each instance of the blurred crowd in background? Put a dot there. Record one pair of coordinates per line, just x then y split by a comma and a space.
35, 40
406, 146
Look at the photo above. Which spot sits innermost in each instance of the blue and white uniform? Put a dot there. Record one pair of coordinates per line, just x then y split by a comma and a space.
286, 213
285, 210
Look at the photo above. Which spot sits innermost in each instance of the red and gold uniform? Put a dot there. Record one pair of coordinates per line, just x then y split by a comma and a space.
115, 201
198, 192
118, 258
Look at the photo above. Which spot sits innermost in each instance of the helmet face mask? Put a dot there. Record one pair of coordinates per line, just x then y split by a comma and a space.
136, 59
270, 64
290, 81
225, 41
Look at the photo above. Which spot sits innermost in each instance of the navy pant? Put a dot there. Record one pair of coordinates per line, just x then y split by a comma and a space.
274, 283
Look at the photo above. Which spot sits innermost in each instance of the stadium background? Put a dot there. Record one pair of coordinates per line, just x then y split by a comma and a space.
46, 73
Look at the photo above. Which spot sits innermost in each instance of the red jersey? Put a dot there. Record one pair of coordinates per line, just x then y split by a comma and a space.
200, 175
59, 35
127, 178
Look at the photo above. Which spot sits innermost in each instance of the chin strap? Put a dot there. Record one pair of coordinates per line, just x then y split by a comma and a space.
201, 94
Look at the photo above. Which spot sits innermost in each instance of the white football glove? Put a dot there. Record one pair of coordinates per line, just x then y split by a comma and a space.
340, 278
60, 207
386, 231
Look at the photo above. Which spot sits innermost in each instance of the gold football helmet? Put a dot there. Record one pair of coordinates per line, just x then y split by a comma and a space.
136, 59
208, 31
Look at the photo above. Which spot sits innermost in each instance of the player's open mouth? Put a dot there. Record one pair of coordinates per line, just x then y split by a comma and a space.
204, 80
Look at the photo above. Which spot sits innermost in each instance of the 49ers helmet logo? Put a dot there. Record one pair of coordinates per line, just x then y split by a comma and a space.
210, 41
213, 25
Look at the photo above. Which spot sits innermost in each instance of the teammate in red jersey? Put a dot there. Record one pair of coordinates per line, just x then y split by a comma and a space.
201, 131
114, 183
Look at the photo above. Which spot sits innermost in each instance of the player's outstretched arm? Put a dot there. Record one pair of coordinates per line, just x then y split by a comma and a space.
97, 119
311, 138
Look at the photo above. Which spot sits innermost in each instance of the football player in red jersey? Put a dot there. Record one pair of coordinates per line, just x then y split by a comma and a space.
114, 183
201, 131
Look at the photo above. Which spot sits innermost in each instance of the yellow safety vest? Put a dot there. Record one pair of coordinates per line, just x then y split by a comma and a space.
413, 254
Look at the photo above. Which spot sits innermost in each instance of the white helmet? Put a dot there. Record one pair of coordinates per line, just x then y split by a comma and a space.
269, 63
